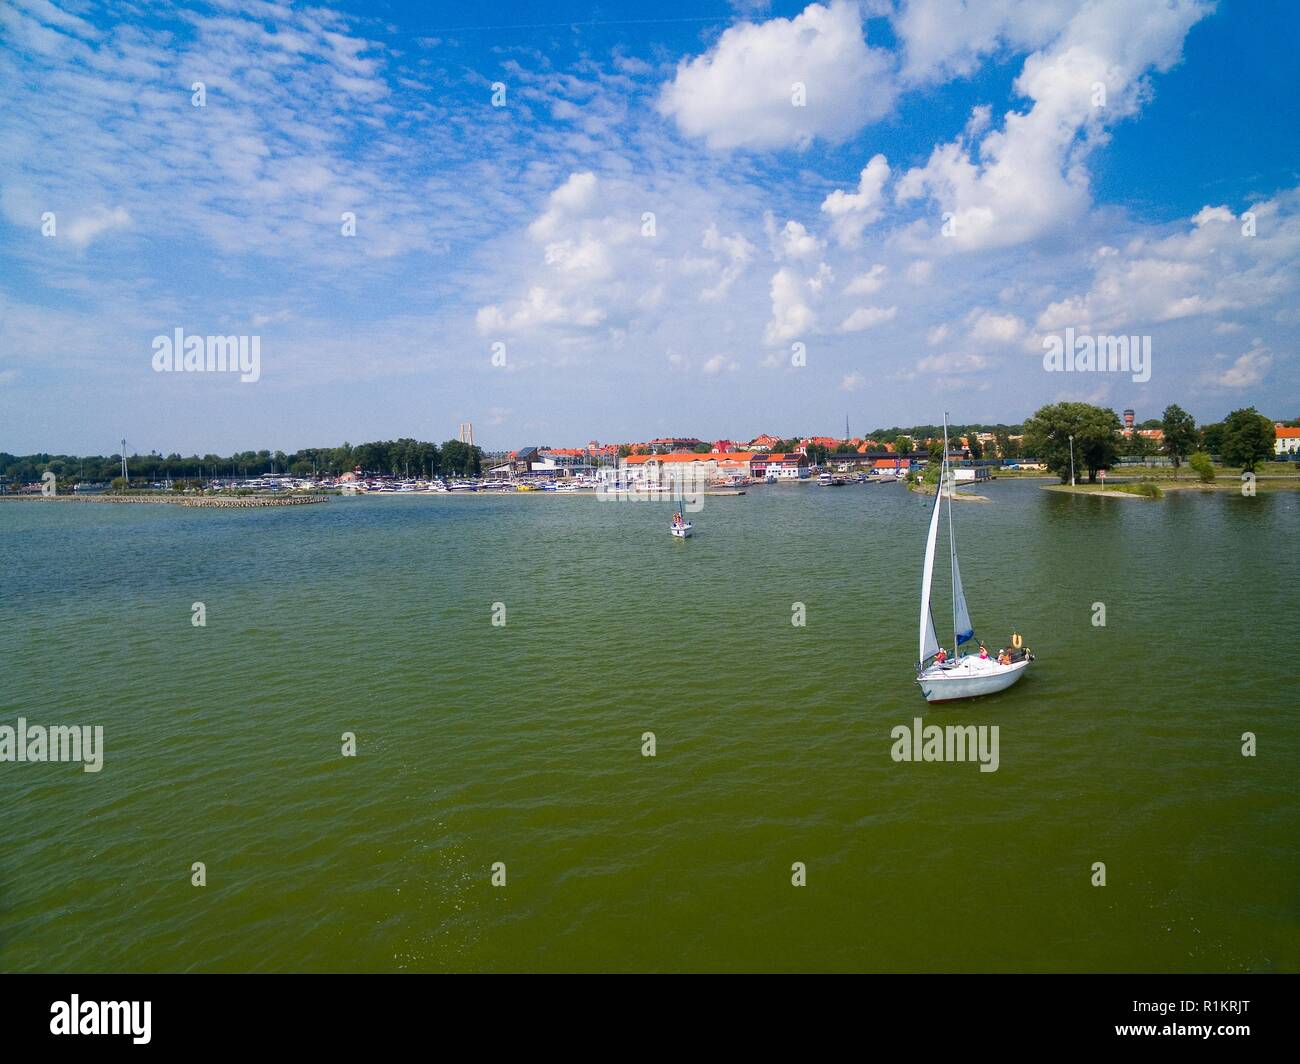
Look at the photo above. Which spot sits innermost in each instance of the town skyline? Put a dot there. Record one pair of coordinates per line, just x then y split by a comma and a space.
880, 439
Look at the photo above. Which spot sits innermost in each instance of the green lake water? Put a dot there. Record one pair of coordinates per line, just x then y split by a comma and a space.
522, 744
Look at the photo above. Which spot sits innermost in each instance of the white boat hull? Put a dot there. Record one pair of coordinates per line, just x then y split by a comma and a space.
969, 678
680, 531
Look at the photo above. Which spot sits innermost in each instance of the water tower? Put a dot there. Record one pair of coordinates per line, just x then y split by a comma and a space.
1129, 418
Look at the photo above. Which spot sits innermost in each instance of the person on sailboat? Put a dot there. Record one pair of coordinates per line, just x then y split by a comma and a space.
677, 519
941, 657
984, 652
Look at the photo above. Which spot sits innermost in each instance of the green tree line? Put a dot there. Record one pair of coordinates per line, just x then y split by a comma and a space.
1245, 438
404, 457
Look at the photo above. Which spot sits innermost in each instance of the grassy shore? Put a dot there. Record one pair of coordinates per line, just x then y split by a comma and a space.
1157, 487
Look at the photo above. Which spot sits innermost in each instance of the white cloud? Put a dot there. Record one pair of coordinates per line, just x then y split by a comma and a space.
867, 317
986, 327
822, 279
950, 363
739, 93
791, 315
942, 39
541, 307
586, 257
276, 318
793, 242
1246, 371
85, 228
573, 199
1030, 177
868, 283
738, 252
852, 212
852, 382
1208, 267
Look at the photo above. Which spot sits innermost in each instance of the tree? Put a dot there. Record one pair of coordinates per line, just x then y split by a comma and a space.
702, 448
973, 445
1203, 467
1048, 432
1212, 438
817, 453
903, 445
1248, 438
1137, 445
1180, 433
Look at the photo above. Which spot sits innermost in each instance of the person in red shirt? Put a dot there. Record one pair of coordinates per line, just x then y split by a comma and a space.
941, 657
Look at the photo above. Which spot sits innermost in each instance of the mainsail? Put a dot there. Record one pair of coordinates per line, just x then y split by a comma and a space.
929, 642
961, 626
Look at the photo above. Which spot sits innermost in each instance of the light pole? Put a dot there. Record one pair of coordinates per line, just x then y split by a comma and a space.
1072, 460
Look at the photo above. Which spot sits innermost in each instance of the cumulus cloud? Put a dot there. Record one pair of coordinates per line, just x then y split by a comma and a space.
792, 242
742, 92
577, 256
1028, 178
1206, 267
984, 326
792, 316
572, 200
941, 39
540, 307
852, 212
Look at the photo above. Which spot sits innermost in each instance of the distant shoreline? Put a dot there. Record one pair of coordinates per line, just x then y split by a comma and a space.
213, 502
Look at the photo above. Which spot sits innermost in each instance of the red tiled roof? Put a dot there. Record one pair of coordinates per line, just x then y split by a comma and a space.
734, 456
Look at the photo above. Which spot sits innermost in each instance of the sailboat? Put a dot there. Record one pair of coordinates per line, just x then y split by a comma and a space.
680, 526
962, 676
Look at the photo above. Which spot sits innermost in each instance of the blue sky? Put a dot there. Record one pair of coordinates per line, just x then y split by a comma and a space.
686, 219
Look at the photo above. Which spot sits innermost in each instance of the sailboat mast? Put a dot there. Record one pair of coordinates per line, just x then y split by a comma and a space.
952, 535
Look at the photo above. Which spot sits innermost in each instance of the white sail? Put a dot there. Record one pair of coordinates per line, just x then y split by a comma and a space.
929, 642
960, 615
